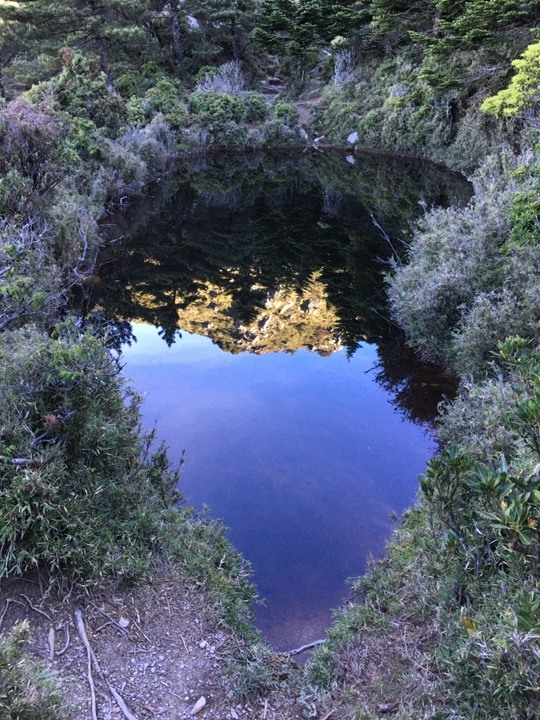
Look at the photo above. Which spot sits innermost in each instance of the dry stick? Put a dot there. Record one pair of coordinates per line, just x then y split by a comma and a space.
141, 631
79, 621
184, 642
328, 715
50, 640
34, 608
111, 619
63, 650
102, 627
297, 651
169, 689
121, 704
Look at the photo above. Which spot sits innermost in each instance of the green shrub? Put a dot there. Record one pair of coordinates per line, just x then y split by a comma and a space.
285, 113
15, 193
82, 91
137, 110
206, 71
83, 141
464, 285
31, 139
522, 92
255, 108
164, 98
32, 278
276, 133
215, 108
27, 689
88, 502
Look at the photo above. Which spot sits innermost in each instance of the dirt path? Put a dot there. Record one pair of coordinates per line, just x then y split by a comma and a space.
304, 110
155, 647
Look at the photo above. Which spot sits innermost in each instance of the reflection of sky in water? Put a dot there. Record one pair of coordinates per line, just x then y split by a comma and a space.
303, 457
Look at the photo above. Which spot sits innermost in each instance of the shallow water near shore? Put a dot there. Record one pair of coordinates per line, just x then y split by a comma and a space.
254, 290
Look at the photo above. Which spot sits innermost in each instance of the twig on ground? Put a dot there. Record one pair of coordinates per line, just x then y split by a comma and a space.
111, 619
66, 645
169, 689
50, 640
34, 608
328, 715
184, 642
79, 624
121, 704
301, 649
141, 631
92, 659
102, 627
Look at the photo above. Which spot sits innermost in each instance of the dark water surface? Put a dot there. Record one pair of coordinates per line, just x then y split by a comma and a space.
305, 422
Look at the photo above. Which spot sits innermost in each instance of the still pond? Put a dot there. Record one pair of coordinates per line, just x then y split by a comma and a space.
248, 298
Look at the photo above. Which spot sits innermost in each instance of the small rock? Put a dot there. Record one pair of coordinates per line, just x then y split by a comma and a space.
201, 702
123, 622
234, 715
203, 644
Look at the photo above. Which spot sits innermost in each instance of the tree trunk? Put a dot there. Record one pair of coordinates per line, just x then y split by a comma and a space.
177, 45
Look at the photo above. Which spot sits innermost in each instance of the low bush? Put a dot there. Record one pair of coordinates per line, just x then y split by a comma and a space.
216, 108
163, 98
255, 108
31, 146
31, 280
285, 113
227, 79
27, 690
277, 134
81, 495
464, 285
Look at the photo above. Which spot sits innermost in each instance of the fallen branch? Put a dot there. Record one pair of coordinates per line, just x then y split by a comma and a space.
79, 624
51, 641
66, 645
34, 608
109, 617
92, 659
121, 704
328, 715
299, 650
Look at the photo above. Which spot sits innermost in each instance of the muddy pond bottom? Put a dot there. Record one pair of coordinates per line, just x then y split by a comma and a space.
305, 458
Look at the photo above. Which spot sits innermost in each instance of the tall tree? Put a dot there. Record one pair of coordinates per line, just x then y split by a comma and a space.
297, 28
114, 31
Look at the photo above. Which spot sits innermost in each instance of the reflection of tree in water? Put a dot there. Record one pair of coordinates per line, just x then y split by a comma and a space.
271, 254
417, 388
